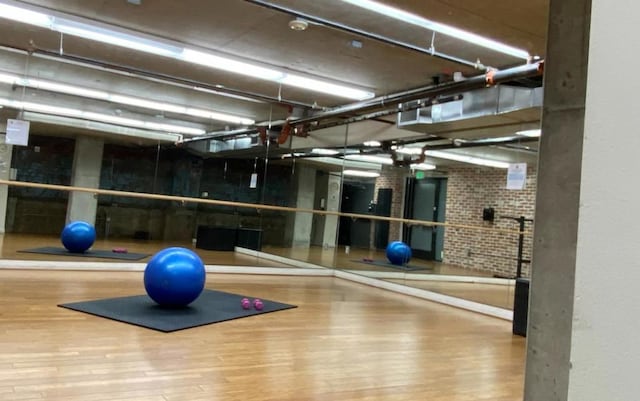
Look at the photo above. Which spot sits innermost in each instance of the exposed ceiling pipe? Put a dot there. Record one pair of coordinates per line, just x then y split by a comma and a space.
518, 148
222, 135
377, 114
147, 75
499, 142
368, 35
490, 78
474, 143
391, 101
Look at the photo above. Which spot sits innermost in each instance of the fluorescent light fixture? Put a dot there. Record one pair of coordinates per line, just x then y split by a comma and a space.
324, 152
373, 144
223, 63
325, 87
531, 133
423, 166
62, 88
370, 159
361, 173
121, 99
92, 30
290, 155
24, 15
102, 127
105, 118
448, 30
466, 159
229, 95
113, 37
409, 151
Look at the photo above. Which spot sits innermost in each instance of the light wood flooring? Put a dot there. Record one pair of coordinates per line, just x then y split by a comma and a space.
344, 342
338, 258
495, 295
12, 244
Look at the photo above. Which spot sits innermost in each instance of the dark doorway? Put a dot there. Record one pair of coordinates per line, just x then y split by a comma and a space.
425, 199
356, 198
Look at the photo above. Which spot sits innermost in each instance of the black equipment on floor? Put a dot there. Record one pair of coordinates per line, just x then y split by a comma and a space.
521, 307
226, 239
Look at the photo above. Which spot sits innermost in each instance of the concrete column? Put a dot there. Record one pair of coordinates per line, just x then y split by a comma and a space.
330, 236
5, 170
584, 291
87, 162
306, 187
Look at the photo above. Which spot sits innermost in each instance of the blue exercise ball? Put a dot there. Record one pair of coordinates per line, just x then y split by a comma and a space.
398, 253
78, 236
174, 277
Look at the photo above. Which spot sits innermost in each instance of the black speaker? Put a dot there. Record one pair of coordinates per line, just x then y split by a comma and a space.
521, 307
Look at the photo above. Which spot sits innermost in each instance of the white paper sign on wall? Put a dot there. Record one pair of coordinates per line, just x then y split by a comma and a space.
254, 181
17, 132
517, 176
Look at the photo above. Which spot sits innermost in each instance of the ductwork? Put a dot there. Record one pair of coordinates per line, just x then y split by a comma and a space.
481, 103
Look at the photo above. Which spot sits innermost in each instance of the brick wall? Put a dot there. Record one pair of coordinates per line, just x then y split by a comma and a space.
469, 190
393, 178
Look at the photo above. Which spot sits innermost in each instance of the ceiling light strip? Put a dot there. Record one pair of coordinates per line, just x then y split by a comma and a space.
361, 173
102, 127
370, 159
106, 118
96, 31
121, 99
466, 159
444, 29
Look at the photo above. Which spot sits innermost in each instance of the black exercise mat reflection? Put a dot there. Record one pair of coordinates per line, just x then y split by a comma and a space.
52, 250
140, 310
391, 265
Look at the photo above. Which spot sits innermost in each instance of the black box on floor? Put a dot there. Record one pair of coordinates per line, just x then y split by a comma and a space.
521, 307
216, 238
250, 238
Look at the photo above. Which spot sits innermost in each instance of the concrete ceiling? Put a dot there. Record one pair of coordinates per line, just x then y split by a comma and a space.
259, 34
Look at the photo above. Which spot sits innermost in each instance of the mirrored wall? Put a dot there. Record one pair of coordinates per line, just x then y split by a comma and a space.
301, 195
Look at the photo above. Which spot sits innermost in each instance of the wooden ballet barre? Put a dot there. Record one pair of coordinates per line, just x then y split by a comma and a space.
184, 199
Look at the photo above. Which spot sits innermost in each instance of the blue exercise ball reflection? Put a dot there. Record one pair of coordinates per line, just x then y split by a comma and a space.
174, 277
398, 253
78, 236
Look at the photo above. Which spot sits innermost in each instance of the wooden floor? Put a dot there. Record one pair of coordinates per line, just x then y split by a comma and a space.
489, 294
345, 342
12, 244
337, 258
495, 295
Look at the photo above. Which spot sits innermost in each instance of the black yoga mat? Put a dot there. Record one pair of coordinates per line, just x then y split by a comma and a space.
140, 310
52, 250
387, 264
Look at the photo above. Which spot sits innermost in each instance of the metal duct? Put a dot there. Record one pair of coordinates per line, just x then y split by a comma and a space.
216, 146
391, 101
478, 103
